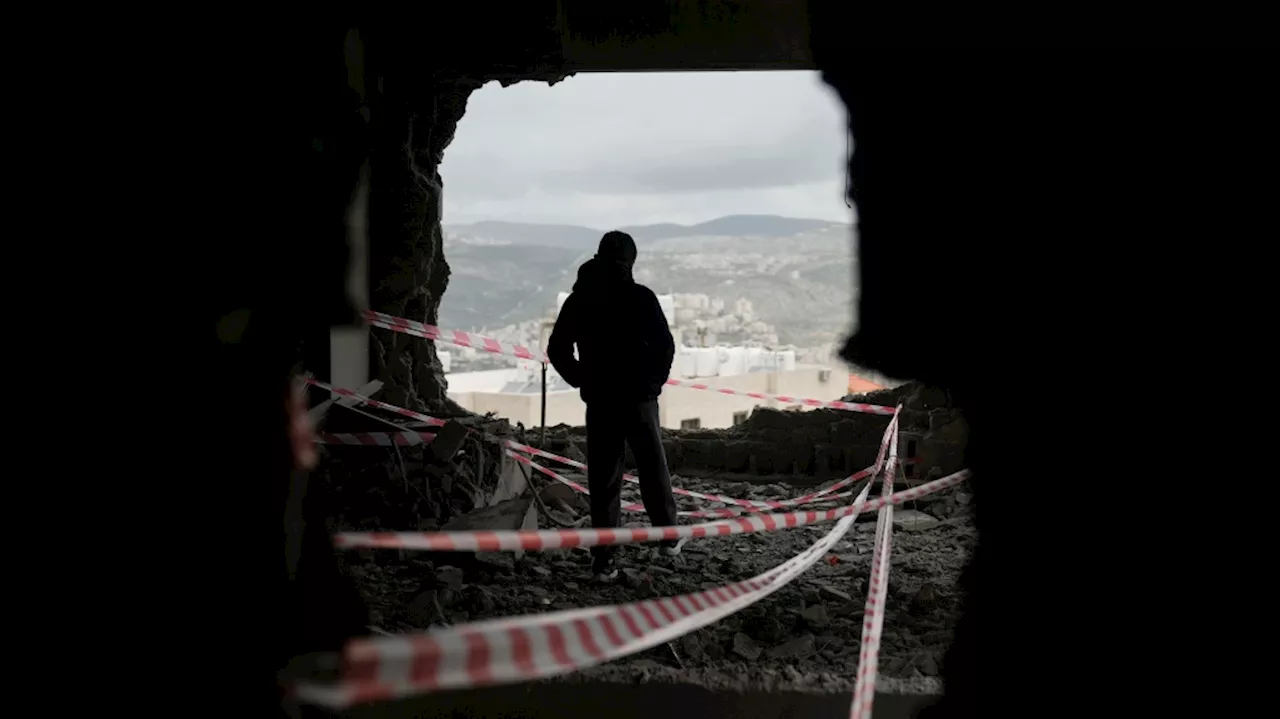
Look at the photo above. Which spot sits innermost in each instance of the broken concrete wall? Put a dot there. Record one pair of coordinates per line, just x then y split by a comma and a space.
822, 444
408, 270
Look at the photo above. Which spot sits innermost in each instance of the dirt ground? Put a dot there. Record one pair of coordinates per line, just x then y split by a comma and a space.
804, 635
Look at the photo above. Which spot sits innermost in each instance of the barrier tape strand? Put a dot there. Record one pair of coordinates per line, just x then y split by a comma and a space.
530, 647
488, 344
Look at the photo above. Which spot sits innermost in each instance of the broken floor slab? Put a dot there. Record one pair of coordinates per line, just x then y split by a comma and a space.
909, 520
513, 514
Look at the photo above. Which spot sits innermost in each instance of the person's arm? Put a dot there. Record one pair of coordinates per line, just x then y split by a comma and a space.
560, 345
658, 337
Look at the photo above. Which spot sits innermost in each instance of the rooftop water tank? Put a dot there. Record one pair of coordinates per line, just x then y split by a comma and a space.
733, 361
708, 361
446, 360
560, 298
787, 360
754, 359
686, 363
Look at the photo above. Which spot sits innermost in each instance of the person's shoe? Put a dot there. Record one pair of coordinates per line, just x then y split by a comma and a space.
604, 570
671, 549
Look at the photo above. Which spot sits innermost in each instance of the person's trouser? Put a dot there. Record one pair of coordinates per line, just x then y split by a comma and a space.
609, 425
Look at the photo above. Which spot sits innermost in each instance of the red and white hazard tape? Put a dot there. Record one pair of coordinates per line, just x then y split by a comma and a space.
891, 431
634, 507
787, 399
488, 344
538, 540
376, 439
412, 439
375, 403
864, 689
455, 337
530, 647
767, 504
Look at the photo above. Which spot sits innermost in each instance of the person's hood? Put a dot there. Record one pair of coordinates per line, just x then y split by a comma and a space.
597, 275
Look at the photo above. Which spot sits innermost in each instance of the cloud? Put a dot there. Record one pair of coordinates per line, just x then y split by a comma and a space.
617, 149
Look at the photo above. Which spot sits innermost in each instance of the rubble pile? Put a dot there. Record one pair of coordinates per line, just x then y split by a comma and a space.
413, 487
822, 444
807, 631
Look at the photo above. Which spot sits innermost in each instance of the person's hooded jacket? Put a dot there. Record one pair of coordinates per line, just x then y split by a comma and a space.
625, 348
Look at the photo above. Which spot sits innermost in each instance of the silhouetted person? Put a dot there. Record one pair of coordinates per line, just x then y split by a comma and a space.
624, 358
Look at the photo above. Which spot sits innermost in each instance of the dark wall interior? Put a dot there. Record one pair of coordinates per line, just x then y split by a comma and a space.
1023, 189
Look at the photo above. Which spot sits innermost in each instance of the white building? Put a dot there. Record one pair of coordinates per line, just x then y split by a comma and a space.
515, 394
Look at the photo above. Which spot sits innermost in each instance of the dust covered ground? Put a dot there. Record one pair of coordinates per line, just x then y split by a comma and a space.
805, 635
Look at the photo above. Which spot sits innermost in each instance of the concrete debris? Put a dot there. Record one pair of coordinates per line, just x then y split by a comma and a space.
745, 647
796, 648
909, 520
448, 441
816, 617
928, 665
511, 514
766, 629
496, 561
573, 452
925, 599
556, 492
429, 606
477, 600
829, 592
449, 577
822, 444
810, 626
692, 646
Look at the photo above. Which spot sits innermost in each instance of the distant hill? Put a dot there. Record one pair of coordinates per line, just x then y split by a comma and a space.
580, 238
731, 226
520, 233
797, 272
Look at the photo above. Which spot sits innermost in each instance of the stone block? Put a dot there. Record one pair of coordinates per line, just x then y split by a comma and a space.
860, 456
671, 447
828, 461
867, 428
796, 457
447, 442
764, 459
703, 453
948, 457
820, 418
765, 417
737, 456
714, 434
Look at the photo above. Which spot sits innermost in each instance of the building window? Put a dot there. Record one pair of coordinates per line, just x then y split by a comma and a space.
739, 418
694, 423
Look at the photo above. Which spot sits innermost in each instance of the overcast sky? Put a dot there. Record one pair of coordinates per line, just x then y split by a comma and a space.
608, 150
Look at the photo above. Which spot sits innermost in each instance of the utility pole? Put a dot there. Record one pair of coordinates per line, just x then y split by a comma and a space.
547, 327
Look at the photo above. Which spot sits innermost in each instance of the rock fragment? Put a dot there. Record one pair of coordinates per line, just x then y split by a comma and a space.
745, 647
797, 648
